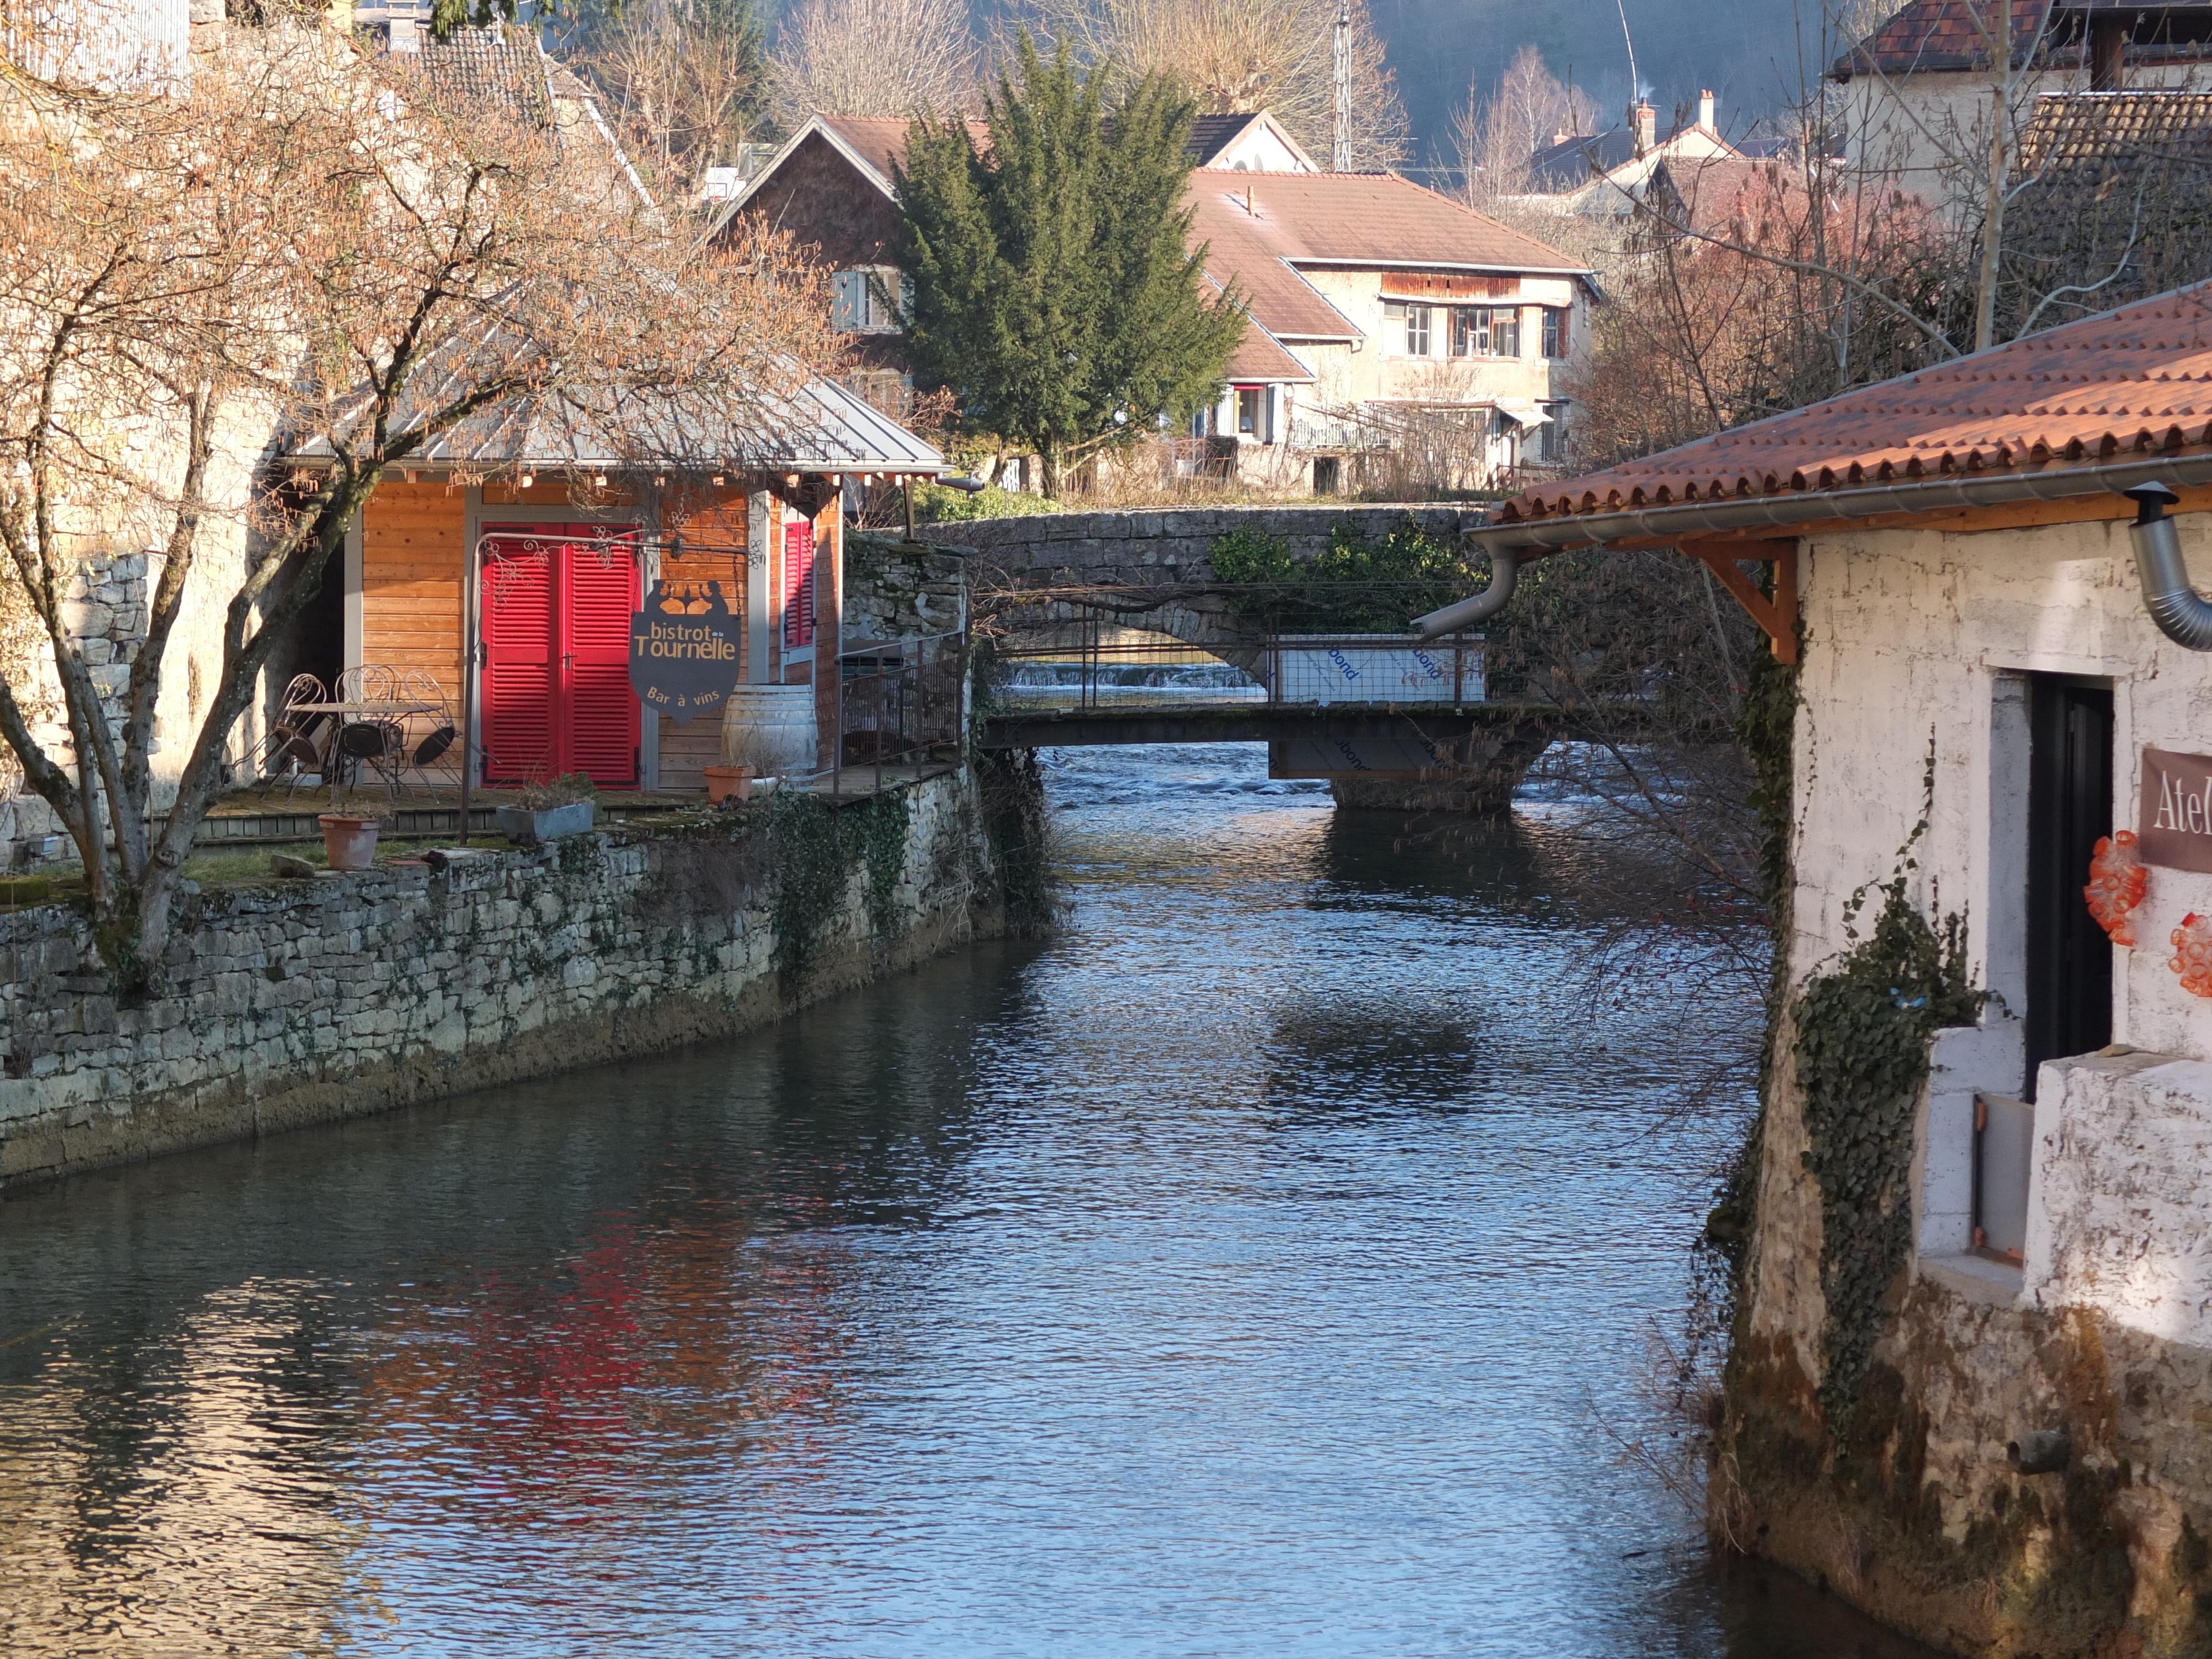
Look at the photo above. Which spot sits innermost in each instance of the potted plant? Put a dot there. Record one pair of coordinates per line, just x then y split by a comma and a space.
349, 842
747, 754
562, 807
728, 783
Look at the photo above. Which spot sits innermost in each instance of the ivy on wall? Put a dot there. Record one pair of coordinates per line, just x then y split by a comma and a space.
817, 849
1863, 1031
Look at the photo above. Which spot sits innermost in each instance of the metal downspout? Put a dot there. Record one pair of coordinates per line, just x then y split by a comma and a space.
2182, 614
1505, 569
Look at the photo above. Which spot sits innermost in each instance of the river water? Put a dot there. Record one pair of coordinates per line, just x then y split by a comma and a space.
1267, 1265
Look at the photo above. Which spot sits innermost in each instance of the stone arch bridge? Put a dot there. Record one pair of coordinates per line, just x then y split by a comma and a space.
1041, 581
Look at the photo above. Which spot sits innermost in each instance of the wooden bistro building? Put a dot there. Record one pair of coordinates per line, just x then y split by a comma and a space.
504, 573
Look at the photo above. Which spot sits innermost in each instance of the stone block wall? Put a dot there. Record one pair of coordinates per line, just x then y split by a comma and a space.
897, 589
105, 613
300, 1002
1175, 543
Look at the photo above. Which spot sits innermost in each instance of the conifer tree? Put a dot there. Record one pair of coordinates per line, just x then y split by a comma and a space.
1054, 290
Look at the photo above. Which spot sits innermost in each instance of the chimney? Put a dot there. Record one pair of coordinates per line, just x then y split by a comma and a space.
1647, 127
1705, 110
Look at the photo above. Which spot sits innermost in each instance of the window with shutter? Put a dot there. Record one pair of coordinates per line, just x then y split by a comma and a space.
847, 298
798, 585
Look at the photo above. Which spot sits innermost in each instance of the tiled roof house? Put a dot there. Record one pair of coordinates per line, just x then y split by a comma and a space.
1364, 292
2004, 669
1917, 91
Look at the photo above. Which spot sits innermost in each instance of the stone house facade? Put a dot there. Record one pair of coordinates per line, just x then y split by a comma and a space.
1972, 1344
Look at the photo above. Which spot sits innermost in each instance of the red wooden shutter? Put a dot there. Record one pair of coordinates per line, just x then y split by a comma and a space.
516, 606
798, 585
601, 574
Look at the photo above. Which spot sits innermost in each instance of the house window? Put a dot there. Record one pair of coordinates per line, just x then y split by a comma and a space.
1552, 444
1409, 327
862, 301
1555, 332
1486, 332
1251, 412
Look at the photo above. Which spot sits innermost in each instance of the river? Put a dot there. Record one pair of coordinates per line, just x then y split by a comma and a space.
1268, 1265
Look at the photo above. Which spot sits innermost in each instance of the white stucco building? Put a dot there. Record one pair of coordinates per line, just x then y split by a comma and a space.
1980, 652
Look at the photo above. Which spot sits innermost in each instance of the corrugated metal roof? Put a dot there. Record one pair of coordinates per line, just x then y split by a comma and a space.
2133, 381
819, 427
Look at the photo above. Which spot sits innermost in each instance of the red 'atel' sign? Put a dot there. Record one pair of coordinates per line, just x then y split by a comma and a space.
798, 584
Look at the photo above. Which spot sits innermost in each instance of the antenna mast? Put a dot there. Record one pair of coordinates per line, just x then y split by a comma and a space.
1340, 158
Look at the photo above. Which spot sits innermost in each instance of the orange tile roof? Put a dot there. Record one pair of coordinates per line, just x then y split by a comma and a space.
2134, 382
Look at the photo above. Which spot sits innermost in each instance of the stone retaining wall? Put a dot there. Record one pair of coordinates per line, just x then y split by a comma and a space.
300, 1002
1176, 542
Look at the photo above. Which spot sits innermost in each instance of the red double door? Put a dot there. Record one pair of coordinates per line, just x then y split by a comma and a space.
556, 601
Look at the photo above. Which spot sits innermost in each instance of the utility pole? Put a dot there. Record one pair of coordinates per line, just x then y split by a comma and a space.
1340, 158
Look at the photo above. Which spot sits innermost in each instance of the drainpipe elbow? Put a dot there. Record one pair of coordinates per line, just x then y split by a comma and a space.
1505, 567
2182, 614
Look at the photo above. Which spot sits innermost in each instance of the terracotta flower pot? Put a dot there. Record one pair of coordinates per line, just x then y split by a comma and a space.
350, 841
728, 783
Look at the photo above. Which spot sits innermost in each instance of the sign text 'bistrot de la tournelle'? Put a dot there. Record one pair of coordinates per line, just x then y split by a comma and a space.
684, 653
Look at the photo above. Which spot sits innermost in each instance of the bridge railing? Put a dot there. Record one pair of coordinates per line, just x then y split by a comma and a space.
1103, 668
900, 702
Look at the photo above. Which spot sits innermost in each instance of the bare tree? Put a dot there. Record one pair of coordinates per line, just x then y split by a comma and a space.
687, 82
1243, 55
883, 57
308, 250
1494, 137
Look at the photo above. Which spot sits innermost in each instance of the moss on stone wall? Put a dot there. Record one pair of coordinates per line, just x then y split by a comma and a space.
818, 848
1018, 831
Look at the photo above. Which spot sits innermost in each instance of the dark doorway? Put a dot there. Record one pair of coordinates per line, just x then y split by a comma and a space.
315, 643
2070, 805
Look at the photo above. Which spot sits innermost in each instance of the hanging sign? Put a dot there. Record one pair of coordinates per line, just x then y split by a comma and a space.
798, 585
683, 650
2174, 826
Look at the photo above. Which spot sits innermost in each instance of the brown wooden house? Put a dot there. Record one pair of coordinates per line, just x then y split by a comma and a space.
541, 560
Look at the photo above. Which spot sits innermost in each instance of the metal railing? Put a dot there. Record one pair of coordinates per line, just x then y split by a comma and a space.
1100, 670
899, 701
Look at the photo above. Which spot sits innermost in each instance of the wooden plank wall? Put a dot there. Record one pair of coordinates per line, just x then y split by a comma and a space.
719, 522
412, 564
414, 561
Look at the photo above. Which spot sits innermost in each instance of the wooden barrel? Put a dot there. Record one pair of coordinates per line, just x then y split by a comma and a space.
769, 728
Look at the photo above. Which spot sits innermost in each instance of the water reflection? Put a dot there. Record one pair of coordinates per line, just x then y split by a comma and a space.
1246, 1273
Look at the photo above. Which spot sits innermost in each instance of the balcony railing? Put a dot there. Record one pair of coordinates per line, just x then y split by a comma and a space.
900, 702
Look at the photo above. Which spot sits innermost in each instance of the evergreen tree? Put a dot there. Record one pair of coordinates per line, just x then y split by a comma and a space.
1053, 289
